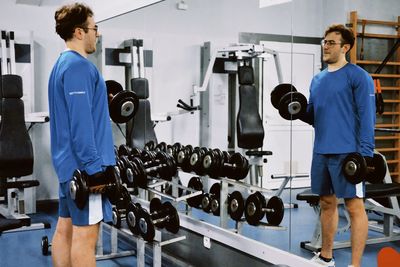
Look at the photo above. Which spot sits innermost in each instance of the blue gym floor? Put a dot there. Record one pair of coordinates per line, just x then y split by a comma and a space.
23, 249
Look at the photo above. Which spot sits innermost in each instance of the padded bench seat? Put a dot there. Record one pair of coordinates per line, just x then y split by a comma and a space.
9, 224
371, 191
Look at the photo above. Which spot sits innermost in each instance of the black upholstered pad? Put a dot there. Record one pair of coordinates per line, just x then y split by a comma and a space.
16, 152
250, 130
371, 191
143, 126
9, 224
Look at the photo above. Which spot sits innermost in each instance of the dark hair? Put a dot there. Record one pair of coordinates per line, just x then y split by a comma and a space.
70, 17
346, 33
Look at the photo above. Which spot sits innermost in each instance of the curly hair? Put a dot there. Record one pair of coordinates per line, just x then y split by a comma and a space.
346, 33
70, 17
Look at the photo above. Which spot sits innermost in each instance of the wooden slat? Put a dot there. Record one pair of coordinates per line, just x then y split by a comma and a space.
390, 113
379, 36
387, 137
394, 174
378, 22
377, 62
392, 101
388, 149
390, 88
385, 75
387, 125
393, 161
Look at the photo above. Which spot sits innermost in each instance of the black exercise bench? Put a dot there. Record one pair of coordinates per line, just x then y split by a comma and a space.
389, 191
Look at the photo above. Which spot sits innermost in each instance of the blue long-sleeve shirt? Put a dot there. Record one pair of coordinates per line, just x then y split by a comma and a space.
342, 110
80, 128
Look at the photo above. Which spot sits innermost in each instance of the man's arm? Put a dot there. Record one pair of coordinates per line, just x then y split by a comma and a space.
78, 91
365, 103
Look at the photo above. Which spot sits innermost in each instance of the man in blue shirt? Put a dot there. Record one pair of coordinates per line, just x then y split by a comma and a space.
342, 111
81, 136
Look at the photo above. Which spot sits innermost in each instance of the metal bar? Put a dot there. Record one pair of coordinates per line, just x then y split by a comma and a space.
173, 240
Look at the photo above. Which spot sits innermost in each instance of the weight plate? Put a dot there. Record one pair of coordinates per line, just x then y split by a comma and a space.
132, 216
253, 209
354, 168
173, 223
292, 105
113, 88
235, 205
377, 175
146, 226
196, 184
279, 91
275, 211
123, 106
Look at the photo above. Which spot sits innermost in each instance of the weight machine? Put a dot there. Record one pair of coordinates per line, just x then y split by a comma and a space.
17, 196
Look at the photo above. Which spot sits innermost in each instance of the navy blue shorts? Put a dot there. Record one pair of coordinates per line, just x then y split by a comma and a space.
327, 177
96, 209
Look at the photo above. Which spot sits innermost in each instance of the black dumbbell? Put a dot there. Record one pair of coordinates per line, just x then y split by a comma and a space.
132, 217
196, 160
163, 165
150, 145
196, 184
107, 182
162, 146
357, 168
257, 206
161, 215
237, 168
45, 246
290, 103
235, 205
120, 210
122, 164
174, 149
214, 194
122, 104
183, 158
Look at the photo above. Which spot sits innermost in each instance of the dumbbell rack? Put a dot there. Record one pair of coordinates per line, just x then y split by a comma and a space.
225, 182
156, 244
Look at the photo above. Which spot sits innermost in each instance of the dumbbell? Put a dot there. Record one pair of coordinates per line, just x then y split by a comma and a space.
162, 146
174, 149
162, 215
45, 246
122, 104
82, 184
183, 158
132, 217
257, 206
237, 168
210, 201
196, 184
290, 103
120, 210
235, 205
213, 162
356, 168
149, 145
163, 165
196, 160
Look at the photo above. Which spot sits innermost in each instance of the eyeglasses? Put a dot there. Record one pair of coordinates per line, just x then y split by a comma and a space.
95, 28
329, 43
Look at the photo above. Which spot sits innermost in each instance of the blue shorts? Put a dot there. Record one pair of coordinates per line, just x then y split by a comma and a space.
327, 177
96, 209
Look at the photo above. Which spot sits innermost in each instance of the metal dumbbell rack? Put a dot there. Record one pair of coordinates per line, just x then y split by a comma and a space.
157, 243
